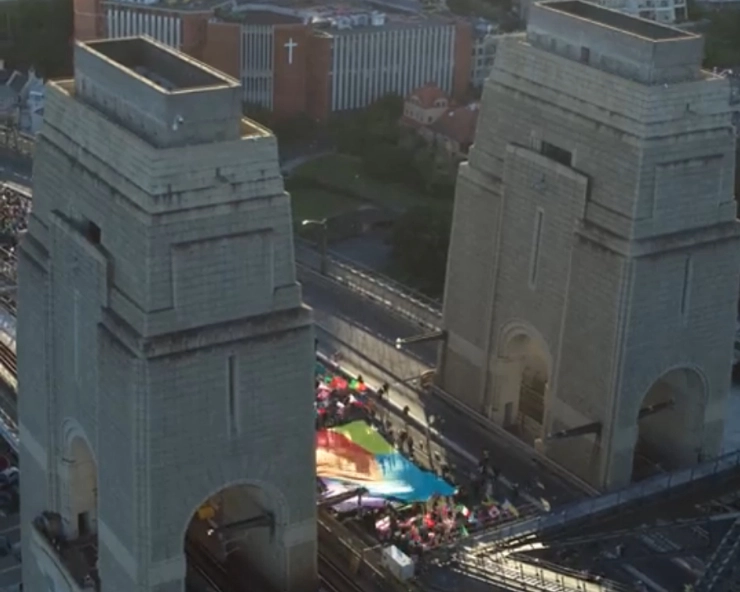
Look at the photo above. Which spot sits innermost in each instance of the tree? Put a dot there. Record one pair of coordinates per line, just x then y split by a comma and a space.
42, 33
258, 113
420, 241
722, 45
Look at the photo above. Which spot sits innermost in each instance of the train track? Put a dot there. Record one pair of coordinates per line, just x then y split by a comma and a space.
334, 579
8, 359
208, 567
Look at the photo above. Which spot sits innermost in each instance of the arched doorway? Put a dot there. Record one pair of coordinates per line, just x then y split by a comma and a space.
237, 532
82, 475
670, 424
81, 504
528, 377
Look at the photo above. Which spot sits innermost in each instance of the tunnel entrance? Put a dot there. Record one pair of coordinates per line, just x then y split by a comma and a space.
670, 424
529, 376
233, 537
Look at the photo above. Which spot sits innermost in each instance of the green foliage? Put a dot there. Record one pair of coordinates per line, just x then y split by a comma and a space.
420, 241
722, 46
480, 8
391, 156
258, 113
347, 175
41, 33
300, 128
391, 153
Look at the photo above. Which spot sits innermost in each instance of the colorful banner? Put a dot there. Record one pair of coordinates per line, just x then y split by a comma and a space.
356, 455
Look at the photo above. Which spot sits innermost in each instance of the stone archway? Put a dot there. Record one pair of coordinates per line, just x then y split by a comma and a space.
79, 484
670, 434
240, 527
524, 377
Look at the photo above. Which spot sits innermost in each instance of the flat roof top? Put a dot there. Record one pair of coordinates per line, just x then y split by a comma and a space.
258, 17
171, 5
169, 70
616, 20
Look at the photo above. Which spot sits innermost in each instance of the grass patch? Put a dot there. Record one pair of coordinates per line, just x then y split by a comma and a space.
345, 173
309, 204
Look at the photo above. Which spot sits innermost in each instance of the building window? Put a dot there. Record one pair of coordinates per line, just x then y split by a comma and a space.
686, 292
556, 153
232, 396
534, 263
585, 55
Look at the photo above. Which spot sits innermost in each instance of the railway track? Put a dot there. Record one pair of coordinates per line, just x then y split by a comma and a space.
208, 567
8, 359
334, 579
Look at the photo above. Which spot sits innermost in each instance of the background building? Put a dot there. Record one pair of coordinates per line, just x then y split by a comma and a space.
316, 59
662, 11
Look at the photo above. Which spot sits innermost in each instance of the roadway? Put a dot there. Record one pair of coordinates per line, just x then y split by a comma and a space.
460, 439
14, 168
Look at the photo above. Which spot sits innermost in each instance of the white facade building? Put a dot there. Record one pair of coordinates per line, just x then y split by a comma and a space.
124, 22
370, 62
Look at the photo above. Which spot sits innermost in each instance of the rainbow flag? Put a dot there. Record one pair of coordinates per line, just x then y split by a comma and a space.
356, 455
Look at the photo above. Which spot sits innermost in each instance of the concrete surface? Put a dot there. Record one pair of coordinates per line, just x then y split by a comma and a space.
159, 313
590, 226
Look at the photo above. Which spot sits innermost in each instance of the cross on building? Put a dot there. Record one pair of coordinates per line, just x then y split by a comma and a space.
290, 46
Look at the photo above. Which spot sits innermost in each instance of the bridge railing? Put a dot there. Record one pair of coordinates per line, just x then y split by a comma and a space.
593, 507
531, 576
390, 294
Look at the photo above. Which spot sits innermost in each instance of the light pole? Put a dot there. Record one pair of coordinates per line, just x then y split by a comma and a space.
323, 241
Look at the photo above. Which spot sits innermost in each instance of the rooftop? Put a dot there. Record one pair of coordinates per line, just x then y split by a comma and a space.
163, 68
173, 5
257, 17
186, 101
616, 20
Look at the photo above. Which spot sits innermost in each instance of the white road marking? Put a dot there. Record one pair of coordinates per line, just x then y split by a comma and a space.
9, 569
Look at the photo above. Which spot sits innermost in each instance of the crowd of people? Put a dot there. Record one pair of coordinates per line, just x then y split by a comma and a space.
14, 209
479, 501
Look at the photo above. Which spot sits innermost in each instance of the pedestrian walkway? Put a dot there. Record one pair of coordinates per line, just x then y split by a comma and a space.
520, 576
711, 474
417, 414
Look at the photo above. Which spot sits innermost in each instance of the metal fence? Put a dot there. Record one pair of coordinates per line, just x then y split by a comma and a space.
591, 508
402, 300
539, 576
12, 139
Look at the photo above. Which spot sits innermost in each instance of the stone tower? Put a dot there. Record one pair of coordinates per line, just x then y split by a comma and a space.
164, 353
593, 269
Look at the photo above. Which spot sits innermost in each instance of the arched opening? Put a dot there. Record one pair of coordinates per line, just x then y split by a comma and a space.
235, 534
524, 412
82, 511
670, 424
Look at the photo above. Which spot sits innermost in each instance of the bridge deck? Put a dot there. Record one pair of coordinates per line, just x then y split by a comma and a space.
677, 483
512, 574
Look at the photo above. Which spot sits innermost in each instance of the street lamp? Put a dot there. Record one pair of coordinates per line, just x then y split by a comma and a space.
323, 241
